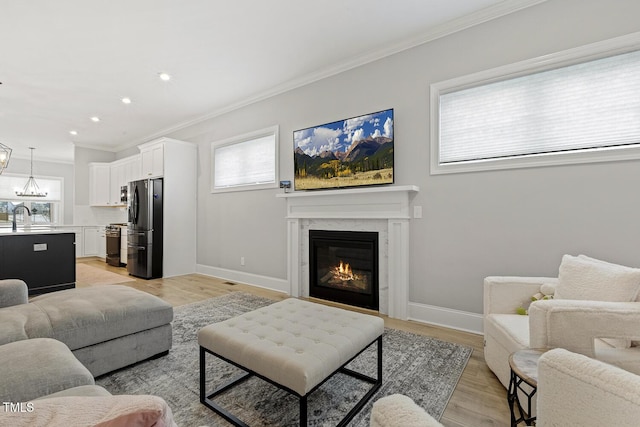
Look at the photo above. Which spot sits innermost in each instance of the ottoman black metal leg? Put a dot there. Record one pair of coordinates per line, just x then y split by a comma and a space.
303, 411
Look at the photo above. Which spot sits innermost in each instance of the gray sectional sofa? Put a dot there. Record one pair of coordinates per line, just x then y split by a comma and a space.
106, 327
42, 384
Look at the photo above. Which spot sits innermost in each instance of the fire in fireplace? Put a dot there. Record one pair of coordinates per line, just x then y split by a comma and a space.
344, 267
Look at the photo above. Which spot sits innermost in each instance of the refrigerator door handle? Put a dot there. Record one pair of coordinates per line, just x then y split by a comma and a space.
140, 248
136, 206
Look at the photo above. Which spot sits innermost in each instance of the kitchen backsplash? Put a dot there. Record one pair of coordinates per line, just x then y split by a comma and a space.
89, 215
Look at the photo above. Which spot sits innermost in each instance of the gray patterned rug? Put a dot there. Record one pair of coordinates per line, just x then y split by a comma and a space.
425, 369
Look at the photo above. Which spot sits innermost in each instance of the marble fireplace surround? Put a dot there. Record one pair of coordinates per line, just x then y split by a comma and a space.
384, 210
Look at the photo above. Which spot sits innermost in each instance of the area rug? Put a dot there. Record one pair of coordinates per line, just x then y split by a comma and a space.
425, 369
88, 275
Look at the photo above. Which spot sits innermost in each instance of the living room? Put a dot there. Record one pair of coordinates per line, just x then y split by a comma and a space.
506, 222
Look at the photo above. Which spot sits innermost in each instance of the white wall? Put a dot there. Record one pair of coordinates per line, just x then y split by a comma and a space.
515, 222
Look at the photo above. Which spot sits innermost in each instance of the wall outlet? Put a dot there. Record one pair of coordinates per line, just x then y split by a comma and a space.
417, 211
241, 260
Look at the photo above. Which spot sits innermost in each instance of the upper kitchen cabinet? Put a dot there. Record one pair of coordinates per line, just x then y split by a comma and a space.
107, 179
152, 154
99, 184
122, 171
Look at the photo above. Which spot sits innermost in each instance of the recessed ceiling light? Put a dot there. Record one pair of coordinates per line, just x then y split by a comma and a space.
126, 100
95, 119
73, 132
164, 77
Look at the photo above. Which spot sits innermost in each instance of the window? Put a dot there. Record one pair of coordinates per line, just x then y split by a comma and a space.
246, 162
44, 210
578, 106
42, 213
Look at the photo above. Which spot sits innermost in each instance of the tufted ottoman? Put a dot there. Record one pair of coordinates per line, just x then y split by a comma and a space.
293, 344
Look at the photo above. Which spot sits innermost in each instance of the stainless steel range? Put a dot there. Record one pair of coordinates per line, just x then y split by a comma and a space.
112, 233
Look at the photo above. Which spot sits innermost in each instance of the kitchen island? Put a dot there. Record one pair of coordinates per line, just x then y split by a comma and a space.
44, 258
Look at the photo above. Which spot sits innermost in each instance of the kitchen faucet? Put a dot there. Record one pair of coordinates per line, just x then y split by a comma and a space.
15, 208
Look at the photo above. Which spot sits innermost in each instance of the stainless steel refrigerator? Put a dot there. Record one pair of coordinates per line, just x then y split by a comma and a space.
144, 228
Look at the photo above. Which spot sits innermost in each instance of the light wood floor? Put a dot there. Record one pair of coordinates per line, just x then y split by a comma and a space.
478, 400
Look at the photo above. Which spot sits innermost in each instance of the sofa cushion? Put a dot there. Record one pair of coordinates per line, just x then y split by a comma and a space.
87, 316
37, 367
24, 321
510, 330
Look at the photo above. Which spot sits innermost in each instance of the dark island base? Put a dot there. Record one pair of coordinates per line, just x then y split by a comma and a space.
47, 289
46, 262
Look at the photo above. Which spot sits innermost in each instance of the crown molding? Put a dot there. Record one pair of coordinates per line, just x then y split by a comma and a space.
42, 159
102, 147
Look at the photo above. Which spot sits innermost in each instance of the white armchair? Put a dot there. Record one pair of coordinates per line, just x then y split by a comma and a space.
574, 390
608, 331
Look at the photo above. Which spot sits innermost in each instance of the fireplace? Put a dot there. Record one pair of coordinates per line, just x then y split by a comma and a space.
343, 267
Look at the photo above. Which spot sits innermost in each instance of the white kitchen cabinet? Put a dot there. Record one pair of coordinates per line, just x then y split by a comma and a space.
79, 239
132, 169
107, 179
99, 184
102, 243
123, 244
94, 241
91, 242
152, 159
117, 174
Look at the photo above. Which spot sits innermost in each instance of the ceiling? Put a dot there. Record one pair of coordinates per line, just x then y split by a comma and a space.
63, 62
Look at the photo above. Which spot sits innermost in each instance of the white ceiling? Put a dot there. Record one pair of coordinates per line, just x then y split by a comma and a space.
62, 62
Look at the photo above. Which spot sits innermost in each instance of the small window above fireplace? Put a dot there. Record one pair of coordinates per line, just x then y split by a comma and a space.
344, 267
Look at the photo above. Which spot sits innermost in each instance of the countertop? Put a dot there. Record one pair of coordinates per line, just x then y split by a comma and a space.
5, 231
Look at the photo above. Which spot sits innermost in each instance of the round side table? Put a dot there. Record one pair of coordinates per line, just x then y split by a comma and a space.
524, 381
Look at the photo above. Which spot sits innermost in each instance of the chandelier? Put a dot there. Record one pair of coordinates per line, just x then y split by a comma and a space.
5, 154
31, 188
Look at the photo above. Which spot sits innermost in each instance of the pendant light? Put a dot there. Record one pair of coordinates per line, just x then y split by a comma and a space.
5, 154
31, 188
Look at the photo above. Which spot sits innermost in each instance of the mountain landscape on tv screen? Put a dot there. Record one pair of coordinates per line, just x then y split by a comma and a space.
348, 153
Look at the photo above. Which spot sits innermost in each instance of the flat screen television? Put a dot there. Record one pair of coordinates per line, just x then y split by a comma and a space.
348, 153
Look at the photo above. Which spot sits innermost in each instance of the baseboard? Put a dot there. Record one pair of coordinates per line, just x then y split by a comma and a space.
423, 313
446, 317
272, 283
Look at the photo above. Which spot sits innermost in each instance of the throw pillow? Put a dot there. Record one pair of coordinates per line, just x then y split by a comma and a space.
103, 411
542, 295
584, 278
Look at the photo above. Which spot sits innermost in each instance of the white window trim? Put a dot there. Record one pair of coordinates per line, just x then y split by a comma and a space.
272, 130
586, 53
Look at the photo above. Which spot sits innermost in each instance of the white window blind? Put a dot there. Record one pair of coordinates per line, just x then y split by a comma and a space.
593, 105
248, 161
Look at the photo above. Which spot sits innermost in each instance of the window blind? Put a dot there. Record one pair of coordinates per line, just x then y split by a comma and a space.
586, 106
245, 163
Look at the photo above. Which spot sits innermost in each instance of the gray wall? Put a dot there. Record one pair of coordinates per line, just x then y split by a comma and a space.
44, 168
512, 222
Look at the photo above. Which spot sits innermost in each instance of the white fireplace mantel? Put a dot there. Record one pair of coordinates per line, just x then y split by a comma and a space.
383, 209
